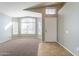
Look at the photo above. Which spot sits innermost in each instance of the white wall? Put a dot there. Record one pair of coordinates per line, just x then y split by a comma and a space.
68, 27
5, 29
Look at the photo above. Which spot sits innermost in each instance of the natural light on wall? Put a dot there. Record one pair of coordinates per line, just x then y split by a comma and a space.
8, 26
50, 11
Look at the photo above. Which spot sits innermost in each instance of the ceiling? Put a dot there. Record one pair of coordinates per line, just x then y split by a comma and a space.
57, 5
16, 9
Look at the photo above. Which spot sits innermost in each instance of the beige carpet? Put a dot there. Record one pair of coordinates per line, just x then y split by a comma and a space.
52, 49
20, 47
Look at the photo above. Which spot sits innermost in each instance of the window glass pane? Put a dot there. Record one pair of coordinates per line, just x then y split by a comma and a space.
50, 11
28, 20
31, 28
15, 28
27, 28
24, 28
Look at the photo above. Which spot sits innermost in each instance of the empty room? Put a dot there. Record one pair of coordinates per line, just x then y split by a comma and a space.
39, 29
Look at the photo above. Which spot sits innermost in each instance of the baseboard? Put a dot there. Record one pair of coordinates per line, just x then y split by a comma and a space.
67, 49
8, 39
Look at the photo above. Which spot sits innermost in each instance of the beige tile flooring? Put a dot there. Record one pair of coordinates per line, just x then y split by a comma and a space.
52, 49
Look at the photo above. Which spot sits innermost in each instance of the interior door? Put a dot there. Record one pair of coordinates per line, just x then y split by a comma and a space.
50, 29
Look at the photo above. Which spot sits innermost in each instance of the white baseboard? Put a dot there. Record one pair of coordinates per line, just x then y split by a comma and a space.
67, 49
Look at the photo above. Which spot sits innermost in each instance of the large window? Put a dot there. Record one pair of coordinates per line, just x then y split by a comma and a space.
28, 26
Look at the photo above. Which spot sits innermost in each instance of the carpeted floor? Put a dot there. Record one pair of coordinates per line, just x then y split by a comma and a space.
20, 47
52, 49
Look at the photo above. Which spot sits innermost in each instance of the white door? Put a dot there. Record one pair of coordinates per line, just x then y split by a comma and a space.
50, 29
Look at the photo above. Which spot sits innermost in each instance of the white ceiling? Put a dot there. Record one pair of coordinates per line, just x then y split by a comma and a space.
15, 9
